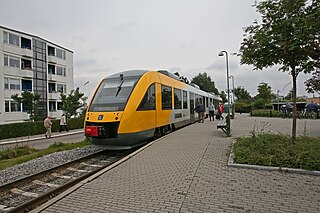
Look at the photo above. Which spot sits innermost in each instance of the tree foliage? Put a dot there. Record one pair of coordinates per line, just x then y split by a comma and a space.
74, 101
242, 94
265, 92
288, 36
29, 101
313, 83
205, 83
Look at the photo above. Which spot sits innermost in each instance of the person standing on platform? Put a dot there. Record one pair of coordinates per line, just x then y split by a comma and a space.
63, 123
211, 111
200, 110
220, 111
47, 124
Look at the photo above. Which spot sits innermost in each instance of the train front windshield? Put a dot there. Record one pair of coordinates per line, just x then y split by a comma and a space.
112, 95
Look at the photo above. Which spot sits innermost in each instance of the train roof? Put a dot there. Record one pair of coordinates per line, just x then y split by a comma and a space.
128, 73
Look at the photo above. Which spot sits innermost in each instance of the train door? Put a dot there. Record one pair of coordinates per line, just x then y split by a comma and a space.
191, 101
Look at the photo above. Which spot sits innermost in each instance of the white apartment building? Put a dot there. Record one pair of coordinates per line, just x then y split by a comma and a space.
31, 63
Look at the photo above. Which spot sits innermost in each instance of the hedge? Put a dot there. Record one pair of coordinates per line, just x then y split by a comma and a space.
34, 128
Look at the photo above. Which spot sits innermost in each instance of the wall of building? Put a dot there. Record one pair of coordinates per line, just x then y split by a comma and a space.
32, 72
314, 100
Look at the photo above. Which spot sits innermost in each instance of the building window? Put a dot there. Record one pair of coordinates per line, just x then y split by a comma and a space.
185, 100
12, 83
14, 62
14, 39
5, 37
15, 106
177, 99
60, 53
51, 51
61, 71
62, 88
11, 61
149, 99
51, 69
166, 93
7, 106
12, 106
60, 105
52, 106
25, 64
6, 60
26, 85
6, 83
52, 87
25, 43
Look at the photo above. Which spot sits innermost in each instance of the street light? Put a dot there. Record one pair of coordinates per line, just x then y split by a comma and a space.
228, 90
233, 104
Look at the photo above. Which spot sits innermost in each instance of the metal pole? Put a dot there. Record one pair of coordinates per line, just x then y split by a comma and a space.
233, 101
228, 90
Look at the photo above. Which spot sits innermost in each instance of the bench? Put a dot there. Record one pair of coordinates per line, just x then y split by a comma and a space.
223, 125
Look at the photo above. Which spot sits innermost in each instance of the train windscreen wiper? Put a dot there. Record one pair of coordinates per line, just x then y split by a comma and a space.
120, 85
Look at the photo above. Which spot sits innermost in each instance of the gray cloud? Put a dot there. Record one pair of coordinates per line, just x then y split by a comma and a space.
181, 36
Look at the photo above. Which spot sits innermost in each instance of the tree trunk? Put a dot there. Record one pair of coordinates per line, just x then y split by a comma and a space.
294, 110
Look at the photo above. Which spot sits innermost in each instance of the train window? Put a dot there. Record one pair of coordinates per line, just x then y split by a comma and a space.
198, 100
112, 95
166, 93
177, 99
185, 100
149, 99
207, 101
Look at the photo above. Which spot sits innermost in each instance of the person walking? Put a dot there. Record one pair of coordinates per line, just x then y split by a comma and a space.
200, 110
63, 123
211, 111
220, 111
48, 124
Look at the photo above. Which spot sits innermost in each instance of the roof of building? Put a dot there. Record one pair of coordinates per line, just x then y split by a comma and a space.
35, 36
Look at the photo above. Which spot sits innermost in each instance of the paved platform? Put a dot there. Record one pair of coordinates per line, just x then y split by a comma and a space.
40, 142
187, 172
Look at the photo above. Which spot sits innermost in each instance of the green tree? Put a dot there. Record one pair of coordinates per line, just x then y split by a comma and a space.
288, 36
74, 101
313, 83
223, 95
242, 94
264, 93
205, 83
29, 101
289, 95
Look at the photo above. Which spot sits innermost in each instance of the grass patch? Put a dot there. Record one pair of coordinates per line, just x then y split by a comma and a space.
268, 149
18, 155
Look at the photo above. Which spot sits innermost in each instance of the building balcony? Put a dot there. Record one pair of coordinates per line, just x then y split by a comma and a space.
26, 52
18, 50
12, 71
52, 59
54, 96
27, 73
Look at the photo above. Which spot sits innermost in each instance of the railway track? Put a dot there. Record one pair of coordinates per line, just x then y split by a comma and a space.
27, 193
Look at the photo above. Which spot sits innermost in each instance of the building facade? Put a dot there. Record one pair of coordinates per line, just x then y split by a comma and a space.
30, 63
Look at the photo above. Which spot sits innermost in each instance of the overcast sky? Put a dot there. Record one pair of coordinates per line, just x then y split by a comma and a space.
109, 36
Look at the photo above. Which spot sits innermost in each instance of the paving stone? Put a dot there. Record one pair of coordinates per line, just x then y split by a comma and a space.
187, 172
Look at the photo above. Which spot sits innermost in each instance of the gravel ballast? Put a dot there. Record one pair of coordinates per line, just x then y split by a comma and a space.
43, 163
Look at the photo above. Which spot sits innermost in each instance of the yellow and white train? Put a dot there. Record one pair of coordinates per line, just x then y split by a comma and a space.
131, 107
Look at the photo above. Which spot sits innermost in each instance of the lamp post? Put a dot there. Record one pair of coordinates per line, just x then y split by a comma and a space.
233, 104
228, 90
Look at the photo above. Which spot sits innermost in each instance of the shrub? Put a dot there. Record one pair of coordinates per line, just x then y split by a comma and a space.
277, 150
33, 128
